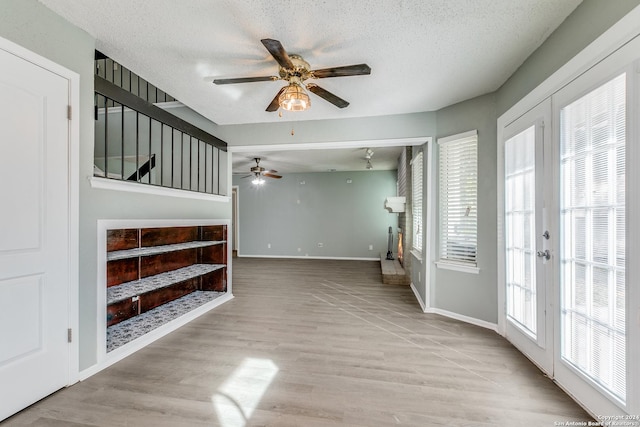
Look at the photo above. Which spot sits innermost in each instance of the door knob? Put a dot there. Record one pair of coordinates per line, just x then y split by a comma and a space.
545, 254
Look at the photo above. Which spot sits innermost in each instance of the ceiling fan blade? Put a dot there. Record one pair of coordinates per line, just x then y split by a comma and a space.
274, 102
270, 175
348, 70
328, 96
246, 176
277, 51
244, 80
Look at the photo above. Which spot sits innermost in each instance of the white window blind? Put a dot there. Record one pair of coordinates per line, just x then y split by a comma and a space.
458, 196
592, 249
416, 205
519, 235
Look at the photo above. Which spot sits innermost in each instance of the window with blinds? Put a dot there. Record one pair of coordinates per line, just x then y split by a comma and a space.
458, 194
592, 248
416, 206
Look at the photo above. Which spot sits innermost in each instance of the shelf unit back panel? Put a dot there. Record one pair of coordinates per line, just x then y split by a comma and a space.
122, 271
121, 239
213, 232
169, 261
165, 295
216, 254
214, 281
167, 235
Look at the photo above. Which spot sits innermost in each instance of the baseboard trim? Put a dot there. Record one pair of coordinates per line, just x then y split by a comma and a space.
309, 257
463, 318
419, 298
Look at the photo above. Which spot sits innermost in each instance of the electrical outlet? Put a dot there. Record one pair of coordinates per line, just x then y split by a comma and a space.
320, 244
268, 245
299, 249
370, 247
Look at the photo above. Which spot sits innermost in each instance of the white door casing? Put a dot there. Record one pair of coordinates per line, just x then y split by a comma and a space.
38, 222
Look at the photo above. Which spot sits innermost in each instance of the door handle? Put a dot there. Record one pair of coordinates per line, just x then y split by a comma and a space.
545, 254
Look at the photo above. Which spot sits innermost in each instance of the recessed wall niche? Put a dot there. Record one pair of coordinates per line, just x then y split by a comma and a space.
158, 274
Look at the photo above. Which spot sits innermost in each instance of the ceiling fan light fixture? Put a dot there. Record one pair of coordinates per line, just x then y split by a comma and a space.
368, 153
294, 98
257, 181
369, 165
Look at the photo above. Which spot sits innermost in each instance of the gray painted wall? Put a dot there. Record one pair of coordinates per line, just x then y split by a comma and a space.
29, 24
314, 131
345, 217
366, 128
587, 22
473, 295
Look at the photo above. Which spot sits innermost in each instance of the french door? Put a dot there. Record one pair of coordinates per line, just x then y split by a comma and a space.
593, 136
527, 237
570, 210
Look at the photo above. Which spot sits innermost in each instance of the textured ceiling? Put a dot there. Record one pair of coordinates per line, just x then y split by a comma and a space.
424, 54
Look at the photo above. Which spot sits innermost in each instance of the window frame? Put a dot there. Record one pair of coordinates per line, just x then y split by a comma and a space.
417, 211
452, 263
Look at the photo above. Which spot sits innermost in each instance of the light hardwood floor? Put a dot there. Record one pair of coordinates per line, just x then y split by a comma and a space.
314, 343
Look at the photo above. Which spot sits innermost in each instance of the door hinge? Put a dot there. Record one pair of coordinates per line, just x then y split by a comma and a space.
69, 335
68, 112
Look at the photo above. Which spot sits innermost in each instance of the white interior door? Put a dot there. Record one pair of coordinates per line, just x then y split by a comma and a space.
526, 243
34, 233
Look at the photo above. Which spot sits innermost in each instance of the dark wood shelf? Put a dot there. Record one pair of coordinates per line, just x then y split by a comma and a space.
148, 268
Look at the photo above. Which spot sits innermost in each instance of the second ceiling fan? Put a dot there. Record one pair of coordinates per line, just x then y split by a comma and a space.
295, 71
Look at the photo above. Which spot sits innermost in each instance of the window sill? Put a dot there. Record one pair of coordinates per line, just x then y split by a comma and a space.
463, 268
416, 254
133, 187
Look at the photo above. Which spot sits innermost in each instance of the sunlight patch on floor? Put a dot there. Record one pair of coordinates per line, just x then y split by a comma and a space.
240, 394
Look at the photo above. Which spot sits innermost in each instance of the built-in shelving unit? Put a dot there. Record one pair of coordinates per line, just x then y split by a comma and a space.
157, 274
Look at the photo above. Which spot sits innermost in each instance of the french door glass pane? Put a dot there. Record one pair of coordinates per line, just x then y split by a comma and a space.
592, 248
520, 234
